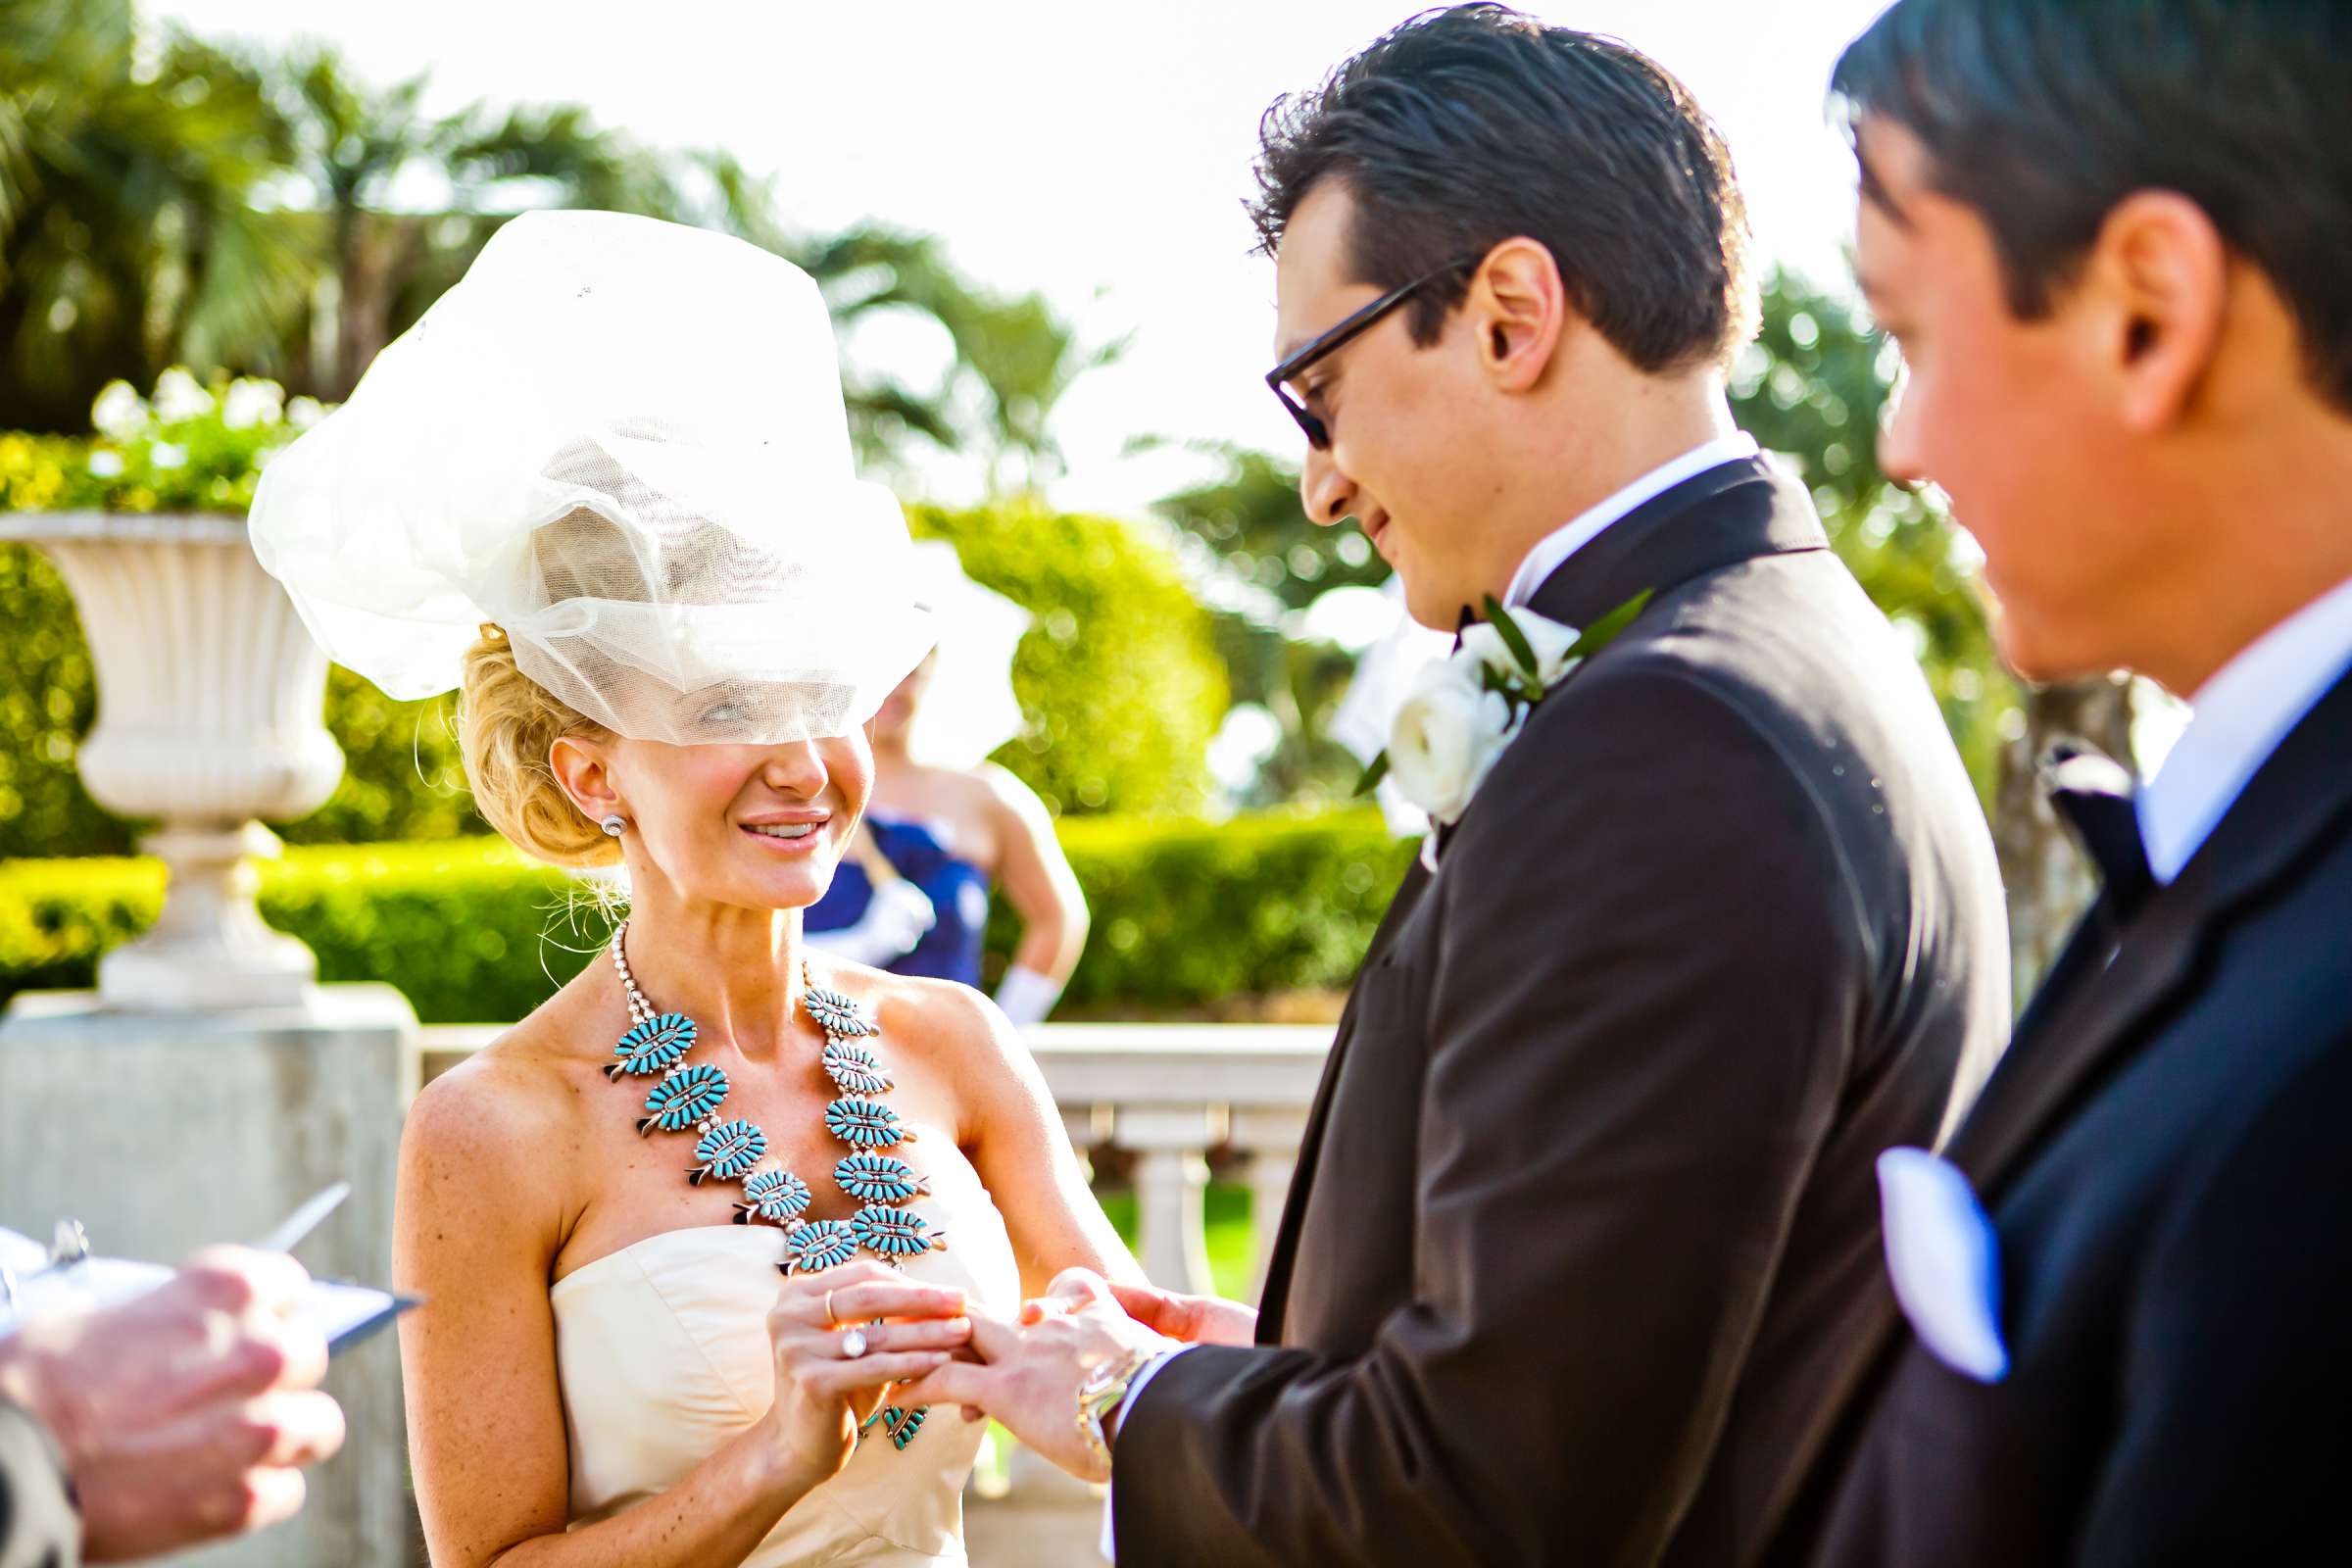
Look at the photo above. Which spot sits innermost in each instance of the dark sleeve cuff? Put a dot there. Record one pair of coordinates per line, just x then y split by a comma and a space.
39, 1527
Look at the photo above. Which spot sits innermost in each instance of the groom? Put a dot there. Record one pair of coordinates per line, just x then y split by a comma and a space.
1586, 1207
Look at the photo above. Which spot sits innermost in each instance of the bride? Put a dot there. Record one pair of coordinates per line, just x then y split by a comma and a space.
680, 1229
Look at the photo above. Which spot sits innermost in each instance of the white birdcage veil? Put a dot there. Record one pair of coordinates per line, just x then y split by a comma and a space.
623, 441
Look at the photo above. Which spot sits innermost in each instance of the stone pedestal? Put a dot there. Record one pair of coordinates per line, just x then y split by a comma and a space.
165, 1131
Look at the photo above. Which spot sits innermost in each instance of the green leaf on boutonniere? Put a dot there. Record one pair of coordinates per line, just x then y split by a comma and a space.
1513, 638
1603, 632
1373, 775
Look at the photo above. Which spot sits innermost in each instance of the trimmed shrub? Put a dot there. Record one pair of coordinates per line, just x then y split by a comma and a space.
470, 930
1192, 914
1187, 915
1119, 678
48, 696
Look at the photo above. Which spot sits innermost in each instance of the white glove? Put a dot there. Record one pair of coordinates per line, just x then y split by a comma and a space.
1027, 997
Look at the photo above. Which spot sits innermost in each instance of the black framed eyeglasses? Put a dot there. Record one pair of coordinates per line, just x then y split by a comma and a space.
1318, 434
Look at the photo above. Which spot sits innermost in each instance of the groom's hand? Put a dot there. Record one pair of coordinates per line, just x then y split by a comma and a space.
1193, 1319
1029, 1378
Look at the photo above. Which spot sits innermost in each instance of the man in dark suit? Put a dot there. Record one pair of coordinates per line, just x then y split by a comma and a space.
1586, 1203
180, 1417
2110, 237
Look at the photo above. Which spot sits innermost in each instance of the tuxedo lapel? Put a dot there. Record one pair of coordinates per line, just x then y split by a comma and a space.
2298, 795
1280, 1256
2084, 1016
1734, 512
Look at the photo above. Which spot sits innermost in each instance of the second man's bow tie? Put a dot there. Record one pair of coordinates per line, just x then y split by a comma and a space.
2094, 795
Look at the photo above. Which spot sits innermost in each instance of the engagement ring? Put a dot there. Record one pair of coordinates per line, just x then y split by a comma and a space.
852, 1343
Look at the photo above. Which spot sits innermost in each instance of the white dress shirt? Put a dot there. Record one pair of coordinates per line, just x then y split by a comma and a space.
1580, 531
2237, 718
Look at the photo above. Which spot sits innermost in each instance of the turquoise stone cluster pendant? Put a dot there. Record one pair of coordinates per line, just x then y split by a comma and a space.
687, 1097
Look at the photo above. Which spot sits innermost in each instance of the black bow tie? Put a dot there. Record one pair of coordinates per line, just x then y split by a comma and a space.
2093, 793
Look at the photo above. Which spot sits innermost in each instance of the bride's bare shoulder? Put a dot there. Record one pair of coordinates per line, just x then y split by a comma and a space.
928, 1016
494, 1116
961, 1038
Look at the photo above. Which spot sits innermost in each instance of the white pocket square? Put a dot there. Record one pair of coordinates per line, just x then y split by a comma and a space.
1944, 1261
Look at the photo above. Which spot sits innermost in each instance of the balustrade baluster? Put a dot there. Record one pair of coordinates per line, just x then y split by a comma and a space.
1270, 1137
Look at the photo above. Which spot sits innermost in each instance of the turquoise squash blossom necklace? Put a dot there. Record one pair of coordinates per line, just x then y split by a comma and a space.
687, 1099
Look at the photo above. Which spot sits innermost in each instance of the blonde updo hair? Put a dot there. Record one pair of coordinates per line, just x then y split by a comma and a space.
507, 723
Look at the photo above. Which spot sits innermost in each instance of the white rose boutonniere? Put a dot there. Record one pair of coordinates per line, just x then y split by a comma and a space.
1465, 710
1449, 730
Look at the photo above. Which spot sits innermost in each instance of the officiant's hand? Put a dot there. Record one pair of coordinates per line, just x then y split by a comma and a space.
184, 1414
1029, 1378
823, 1393
1193, 1319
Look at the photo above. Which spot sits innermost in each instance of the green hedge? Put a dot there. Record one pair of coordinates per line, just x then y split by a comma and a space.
1191, 914
1185, 916
469, 929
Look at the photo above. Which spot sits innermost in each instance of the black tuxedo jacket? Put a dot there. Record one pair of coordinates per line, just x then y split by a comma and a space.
2166, 1154
1586, 1203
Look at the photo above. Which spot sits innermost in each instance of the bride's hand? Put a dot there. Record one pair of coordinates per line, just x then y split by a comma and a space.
823, 1394
1193, 1319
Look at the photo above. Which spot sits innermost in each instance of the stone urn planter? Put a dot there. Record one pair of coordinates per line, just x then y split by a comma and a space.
210, 704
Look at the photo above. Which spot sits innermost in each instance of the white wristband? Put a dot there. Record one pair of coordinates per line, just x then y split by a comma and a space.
1026, 996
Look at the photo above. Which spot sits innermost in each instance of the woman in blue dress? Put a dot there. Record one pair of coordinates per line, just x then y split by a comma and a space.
945, 829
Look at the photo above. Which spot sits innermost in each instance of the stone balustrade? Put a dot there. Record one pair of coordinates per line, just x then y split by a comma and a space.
1169, 1094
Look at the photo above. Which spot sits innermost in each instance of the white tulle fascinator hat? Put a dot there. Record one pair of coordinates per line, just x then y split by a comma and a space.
969, 710
623, 441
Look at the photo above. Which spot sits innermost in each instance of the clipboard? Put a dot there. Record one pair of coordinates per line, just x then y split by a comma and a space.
345, 1315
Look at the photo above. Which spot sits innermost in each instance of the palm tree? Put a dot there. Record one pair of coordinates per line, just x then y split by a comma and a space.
863, 270
350, 143
1016, 356
381, 266
1027, 357
145, 220
133, 229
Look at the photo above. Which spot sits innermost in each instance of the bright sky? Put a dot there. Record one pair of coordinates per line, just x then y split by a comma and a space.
1092, 149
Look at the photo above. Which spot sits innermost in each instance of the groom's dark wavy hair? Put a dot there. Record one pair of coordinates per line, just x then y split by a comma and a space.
1466, 126
2042, 115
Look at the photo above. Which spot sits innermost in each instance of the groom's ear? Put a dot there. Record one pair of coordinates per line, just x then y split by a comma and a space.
1517, 307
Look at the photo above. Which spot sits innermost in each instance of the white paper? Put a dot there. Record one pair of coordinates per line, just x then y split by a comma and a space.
335, 1309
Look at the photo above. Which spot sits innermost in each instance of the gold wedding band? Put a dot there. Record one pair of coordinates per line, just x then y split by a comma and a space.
830, 1320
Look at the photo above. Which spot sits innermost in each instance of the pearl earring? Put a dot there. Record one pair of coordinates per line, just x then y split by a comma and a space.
615, 823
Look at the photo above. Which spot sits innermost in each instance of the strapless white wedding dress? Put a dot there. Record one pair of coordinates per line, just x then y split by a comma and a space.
663, 1353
